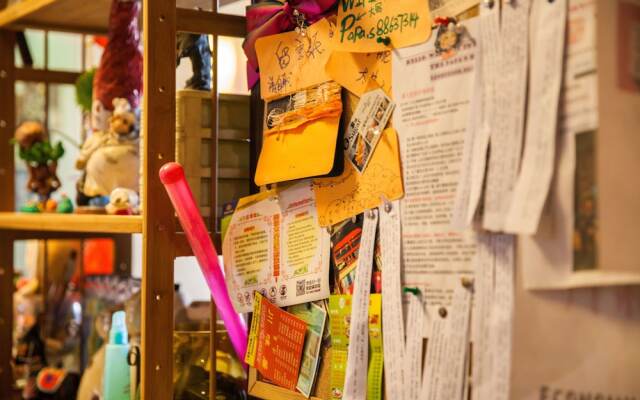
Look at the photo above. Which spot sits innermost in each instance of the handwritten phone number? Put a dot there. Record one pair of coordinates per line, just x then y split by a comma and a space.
384, 26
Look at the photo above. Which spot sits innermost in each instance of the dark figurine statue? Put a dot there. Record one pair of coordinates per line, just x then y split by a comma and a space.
196, 47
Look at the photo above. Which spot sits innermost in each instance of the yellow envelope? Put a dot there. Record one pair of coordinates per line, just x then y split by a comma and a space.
363, 26
352, 193
303, 152
289, 61
355, 71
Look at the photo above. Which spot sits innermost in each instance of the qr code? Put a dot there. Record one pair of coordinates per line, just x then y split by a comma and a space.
300, 288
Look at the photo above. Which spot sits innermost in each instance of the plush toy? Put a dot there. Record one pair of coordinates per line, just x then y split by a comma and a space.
41, 157
196, 47
123, 202
110, 158
119, 74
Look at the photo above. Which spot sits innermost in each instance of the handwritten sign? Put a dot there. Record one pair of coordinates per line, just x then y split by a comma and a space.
352, 193
290, 61
365, 26
359, 71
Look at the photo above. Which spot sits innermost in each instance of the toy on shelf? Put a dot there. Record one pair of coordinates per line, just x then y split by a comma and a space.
123, 201
41, 157
65, 205
196, 47
110, 159
119, 74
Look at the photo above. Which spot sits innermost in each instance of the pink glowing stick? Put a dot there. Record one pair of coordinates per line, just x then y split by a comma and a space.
172, 176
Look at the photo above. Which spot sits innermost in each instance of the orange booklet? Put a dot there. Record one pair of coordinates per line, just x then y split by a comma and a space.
275, 343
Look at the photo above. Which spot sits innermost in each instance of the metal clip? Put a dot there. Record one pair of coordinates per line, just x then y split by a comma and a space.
488, 3
387, 204
300, 21
371, 214
443, 312
413, 290
467, 283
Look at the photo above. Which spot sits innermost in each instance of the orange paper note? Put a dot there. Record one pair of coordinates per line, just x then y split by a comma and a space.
352, 193
365, 26
275, 343
290, 61
358, 71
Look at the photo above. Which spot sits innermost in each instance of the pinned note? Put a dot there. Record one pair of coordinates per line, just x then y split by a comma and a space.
357, 71
351, 193
365, 26
290, 61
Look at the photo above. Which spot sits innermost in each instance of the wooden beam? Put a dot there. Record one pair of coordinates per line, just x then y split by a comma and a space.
213, 201
58, 27
158, 217
7, 125
47, 76
197, 21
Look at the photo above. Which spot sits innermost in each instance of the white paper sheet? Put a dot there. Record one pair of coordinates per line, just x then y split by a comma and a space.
546, 70
355, 385
392, 314
433, 95
413, 355
277, 247
447, 350
507, 122
474, 156
493, 321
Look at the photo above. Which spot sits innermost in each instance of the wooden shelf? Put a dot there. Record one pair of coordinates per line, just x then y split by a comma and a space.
80, 223
66, 15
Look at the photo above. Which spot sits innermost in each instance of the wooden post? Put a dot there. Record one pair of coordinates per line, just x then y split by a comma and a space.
214, 200
159, 123
7, 125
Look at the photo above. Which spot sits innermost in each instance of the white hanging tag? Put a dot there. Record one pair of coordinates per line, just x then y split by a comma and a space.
392, 314
355, 385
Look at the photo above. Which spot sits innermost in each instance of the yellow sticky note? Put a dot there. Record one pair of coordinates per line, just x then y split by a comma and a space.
352, 193
290, 61
356, 71
364, 26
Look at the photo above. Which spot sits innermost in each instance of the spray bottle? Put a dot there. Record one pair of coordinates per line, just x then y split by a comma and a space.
116, 370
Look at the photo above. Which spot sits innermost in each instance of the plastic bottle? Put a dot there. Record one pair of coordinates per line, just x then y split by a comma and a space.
116, 370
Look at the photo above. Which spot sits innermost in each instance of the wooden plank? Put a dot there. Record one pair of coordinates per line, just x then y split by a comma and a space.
67, 15
7, 125
197, 21
70, 222
213, 201
41, 75
159, 124
20, 10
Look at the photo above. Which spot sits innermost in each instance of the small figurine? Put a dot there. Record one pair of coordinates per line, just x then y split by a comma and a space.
122, 202
41, 158
196, 47
50, 205
65, 206
110, 159
120, 71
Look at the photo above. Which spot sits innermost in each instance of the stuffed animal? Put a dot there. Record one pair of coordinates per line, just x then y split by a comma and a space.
111, 159
123, 202
119, 74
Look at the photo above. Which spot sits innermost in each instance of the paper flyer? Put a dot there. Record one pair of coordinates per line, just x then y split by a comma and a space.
274, 245
340, 318
315, 316
275, 343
